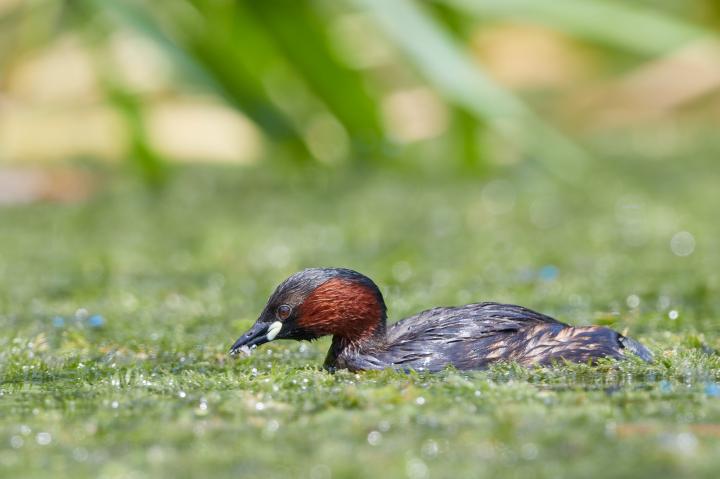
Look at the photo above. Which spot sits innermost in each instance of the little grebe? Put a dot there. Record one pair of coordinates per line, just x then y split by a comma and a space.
344, 303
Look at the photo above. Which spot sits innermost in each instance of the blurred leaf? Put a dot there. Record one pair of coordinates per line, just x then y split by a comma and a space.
301, 35
466, 131
149, 164
236, 48
227, 41
27, 26
620, 24
467, 140
221, 48
128, 13
446, 65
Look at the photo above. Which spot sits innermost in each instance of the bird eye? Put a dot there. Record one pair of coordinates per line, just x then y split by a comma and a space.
283, 311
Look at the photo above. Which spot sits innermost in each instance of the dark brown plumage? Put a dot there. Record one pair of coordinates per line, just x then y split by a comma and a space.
349, 306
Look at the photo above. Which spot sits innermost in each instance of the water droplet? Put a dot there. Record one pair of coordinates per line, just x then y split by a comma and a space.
430, 448
633, 301
416, 469
548, 272
712, 389
182, 394
529, 451
684, 443
673, 314
374, 438
156, 454
682, 243
129, 301
96, 321
43, 438
420, 401
272, 426
80, 454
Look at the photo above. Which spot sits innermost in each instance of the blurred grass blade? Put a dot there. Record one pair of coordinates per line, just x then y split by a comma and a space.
236, 52
26, 26
237, 48
467, 139
453, 72
619, 24
146, 161
210, 53
300, 33
127, 13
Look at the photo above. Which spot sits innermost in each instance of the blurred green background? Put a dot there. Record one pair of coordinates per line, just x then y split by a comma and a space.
446, 85
164, 164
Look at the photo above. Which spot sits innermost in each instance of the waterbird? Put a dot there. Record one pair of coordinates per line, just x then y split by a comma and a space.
317, 302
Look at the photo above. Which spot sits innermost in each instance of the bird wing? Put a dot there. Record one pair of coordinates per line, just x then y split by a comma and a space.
427, 340
476, 320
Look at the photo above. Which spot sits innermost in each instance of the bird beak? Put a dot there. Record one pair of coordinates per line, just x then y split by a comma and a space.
260, 333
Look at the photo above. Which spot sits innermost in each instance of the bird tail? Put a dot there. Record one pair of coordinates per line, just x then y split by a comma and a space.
636, 348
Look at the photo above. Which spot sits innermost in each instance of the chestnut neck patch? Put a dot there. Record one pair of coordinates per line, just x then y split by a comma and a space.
344, 308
